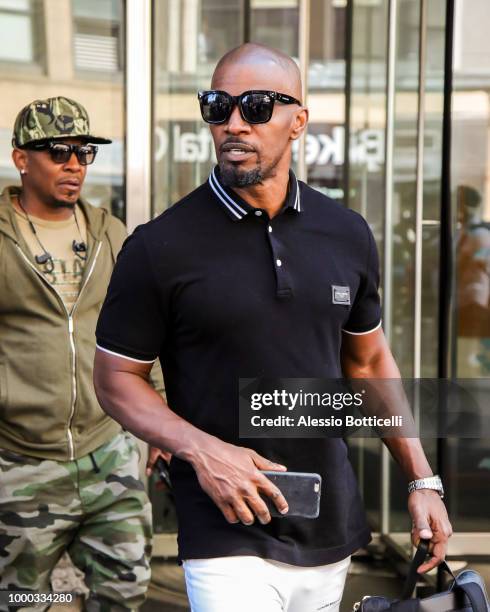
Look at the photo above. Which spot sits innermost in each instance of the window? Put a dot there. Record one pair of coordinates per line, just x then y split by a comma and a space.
97, 36
276, 23
96, 82
20, 39
193, 40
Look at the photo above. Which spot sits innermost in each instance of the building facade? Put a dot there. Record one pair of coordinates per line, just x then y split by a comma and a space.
399, 99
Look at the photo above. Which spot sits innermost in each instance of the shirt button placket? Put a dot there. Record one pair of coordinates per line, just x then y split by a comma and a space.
283, 281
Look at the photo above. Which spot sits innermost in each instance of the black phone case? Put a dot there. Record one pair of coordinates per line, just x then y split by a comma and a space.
302, 491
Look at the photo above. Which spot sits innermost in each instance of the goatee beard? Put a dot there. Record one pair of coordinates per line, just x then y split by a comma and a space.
63, 204
232, 176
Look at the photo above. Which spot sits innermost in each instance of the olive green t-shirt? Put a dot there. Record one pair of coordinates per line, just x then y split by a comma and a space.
57, 238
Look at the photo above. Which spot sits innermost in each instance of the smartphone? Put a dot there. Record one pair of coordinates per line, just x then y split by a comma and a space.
302, 491
163, 473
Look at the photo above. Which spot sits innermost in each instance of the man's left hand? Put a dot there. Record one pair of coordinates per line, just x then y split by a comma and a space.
429, 522
154, 454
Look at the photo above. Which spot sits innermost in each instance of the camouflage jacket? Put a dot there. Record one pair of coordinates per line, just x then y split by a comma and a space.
48, 407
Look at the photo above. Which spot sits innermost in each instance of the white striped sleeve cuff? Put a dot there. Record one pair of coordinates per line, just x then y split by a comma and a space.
124, 356
369, 331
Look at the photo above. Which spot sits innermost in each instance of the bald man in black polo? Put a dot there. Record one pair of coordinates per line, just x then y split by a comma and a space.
253, 274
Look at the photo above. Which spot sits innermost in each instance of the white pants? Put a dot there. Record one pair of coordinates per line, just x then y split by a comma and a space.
252, 584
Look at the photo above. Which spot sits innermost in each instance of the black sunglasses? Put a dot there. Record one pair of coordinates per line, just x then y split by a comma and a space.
255, 106
61, 152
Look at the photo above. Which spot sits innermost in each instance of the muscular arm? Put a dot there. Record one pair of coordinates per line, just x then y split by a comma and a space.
121, 385
368, 356
229, 474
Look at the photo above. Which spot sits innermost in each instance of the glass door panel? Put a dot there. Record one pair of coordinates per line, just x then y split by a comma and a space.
385, 496
364, 192
325, 148
189, 38
468, 460
275, 24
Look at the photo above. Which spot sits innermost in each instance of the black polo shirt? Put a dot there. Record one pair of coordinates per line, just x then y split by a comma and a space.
218, 291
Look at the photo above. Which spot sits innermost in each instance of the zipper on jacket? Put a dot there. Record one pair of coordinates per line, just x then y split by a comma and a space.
74, 355
71, 330
71, 445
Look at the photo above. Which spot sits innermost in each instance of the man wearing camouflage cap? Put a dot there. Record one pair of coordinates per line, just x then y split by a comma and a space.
68, 473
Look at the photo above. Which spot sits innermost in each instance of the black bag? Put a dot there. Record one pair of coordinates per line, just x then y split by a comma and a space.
465, 593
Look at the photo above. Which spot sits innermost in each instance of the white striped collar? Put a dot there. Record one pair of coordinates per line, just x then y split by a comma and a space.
237, 208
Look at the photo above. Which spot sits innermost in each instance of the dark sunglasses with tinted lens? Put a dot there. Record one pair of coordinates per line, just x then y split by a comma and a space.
61, 152
255, 106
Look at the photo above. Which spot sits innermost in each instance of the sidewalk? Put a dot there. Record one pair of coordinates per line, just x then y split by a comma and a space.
367, 576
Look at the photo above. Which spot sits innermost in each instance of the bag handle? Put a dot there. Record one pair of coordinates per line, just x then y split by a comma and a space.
413, 576
475, 594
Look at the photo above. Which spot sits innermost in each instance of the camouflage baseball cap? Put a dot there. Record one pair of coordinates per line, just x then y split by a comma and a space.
51, 119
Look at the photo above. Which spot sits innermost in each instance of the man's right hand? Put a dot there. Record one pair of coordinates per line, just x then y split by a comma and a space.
231, 476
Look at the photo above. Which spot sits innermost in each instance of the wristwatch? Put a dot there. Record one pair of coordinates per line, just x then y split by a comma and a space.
431, 482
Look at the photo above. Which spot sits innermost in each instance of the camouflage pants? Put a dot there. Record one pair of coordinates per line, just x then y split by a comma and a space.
95, 508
